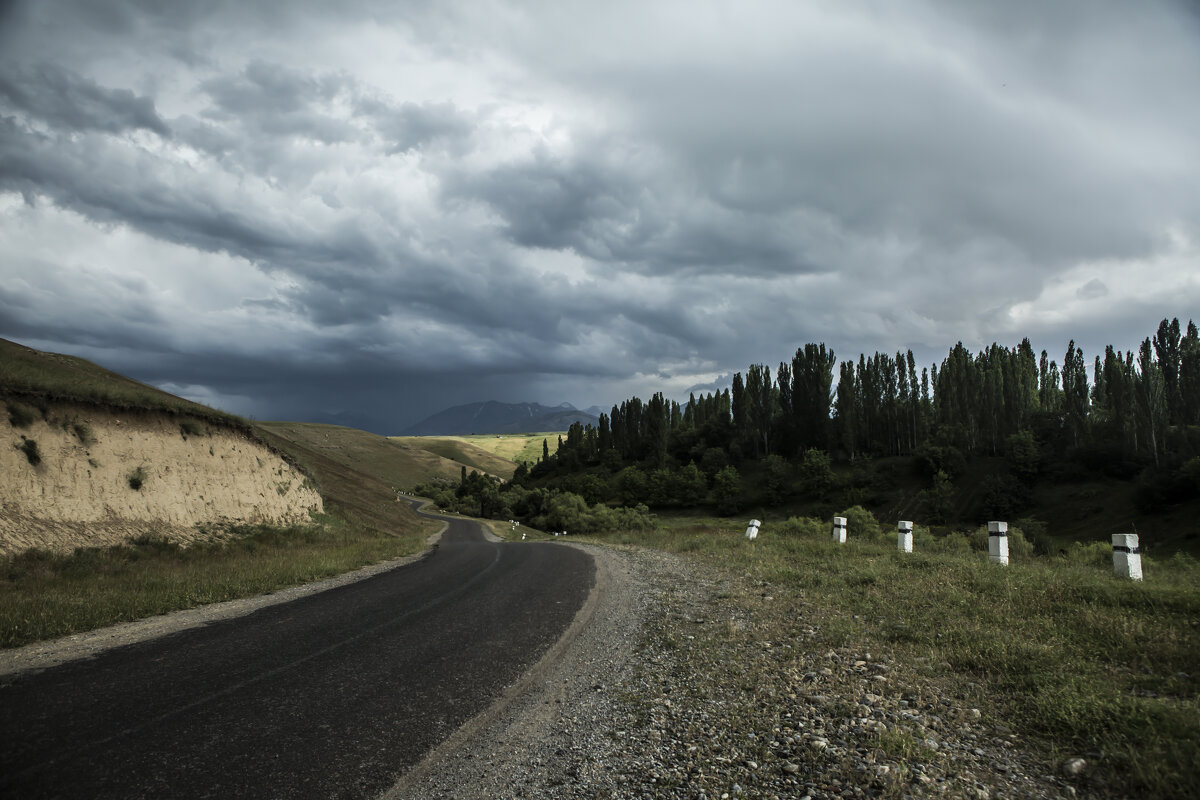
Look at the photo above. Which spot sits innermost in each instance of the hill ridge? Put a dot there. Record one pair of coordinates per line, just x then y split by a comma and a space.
495, 417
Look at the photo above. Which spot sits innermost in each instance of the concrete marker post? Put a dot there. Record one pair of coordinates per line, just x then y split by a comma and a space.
1127, 557
752, 529
839, 530
904, 536
998, 542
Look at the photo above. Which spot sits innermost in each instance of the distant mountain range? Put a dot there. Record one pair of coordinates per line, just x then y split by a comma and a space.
494, 417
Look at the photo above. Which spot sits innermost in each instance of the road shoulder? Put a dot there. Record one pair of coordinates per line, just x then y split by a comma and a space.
44, 655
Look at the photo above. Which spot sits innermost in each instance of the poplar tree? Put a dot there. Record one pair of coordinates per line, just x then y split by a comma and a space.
1166, 348
1152, 400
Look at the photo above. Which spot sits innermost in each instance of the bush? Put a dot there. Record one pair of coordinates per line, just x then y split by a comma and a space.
191, 427
727, 490
632, 485
1003, 496
862, 524
1097, 554
84, 433
20, 415
713, 461
30, 448
1018, 545
939, 498
931, 459
137, 478
1024, 458
776, 475
806, 527
816, 476
952, 542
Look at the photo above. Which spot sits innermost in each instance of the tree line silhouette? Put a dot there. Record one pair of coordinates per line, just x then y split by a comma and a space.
1139, 413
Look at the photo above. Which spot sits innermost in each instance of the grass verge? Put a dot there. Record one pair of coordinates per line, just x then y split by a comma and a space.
1075, 660
44, 595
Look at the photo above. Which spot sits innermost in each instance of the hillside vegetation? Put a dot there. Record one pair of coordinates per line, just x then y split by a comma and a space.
97, 459
39, 376
119, 501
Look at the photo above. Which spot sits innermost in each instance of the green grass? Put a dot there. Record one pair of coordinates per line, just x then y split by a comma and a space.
463, 452
1066, 653
397, 462
39, 376
44, 595
531, 453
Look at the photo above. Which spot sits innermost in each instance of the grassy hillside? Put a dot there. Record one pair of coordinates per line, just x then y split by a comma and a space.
514, 447
399, 462
44, 595
37, 376
481, 453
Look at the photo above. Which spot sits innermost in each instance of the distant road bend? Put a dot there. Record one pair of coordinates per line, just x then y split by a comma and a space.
333, 695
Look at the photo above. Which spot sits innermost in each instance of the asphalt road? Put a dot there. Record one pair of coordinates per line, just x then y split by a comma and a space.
332, 695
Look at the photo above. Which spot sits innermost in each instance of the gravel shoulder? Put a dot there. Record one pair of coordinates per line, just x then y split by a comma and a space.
680, 681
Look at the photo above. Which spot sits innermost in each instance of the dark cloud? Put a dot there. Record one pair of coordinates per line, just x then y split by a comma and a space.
62, 99
369, 211
410, 126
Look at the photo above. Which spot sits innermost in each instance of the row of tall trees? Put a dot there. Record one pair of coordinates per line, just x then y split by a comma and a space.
883, 405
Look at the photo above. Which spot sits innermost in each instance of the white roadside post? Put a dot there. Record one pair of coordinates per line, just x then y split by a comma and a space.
998, 542
839, 530
1127, 558
752, 530
904, 530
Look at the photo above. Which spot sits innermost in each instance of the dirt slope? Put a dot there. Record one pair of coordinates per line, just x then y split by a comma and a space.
192, 481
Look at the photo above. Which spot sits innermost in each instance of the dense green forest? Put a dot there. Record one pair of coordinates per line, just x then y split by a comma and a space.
807, 432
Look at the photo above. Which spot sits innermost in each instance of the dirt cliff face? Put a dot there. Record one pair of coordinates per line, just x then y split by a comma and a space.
105, 477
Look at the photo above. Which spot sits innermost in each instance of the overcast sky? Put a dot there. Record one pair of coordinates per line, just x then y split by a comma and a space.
370, 211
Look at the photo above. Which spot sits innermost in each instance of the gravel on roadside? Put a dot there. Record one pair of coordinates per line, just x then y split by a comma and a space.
671, 688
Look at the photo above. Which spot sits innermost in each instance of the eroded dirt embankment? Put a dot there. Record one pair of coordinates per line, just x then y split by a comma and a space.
104, 477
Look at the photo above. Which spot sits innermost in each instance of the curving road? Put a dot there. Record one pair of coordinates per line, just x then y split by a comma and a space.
332, 695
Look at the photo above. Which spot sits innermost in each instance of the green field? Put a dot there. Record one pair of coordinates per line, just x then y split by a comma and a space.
508, 449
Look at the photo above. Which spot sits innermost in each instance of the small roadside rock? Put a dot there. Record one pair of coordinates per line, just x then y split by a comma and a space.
1073, 767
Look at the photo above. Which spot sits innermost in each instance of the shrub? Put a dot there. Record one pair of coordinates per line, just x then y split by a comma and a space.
137, 478
1024, 459
931, 459
20, 415
727, 490
862, 524
816, 476
30, 448
952, 542
1018, 545
939, 498
192, 427
83, 432
807, 527
632, 485
775, 478
1092, 554
1003, 496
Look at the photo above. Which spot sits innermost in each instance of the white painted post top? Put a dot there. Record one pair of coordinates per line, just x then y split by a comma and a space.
997, 529
839, 521
755, 523
1126, 541
904, 525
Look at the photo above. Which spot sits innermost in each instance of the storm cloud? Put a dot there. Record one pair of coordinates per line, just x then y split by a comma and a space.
368, 212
